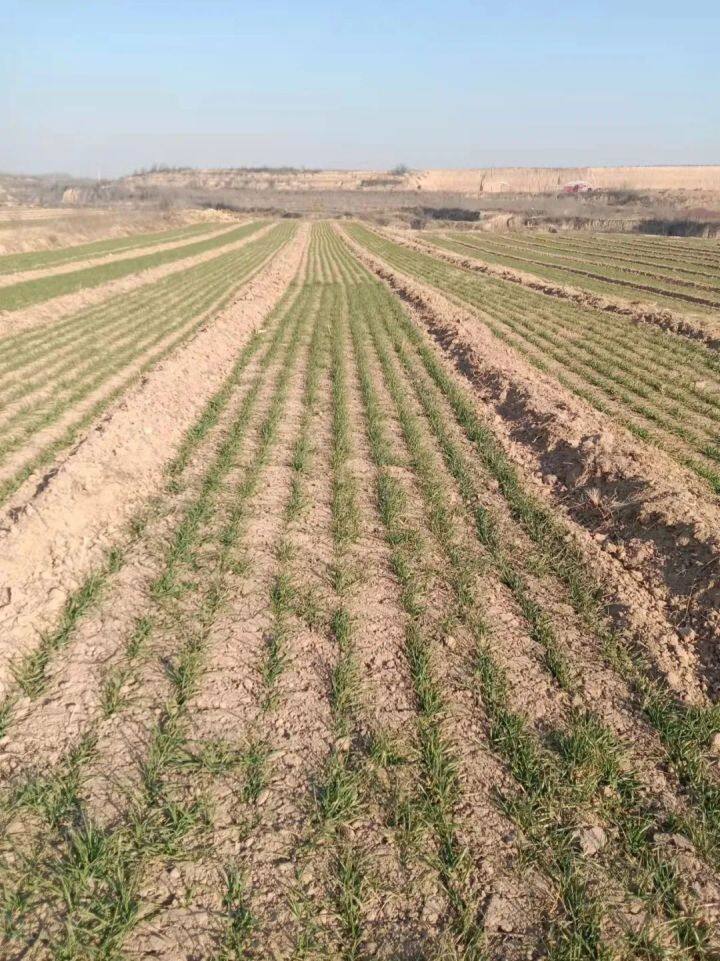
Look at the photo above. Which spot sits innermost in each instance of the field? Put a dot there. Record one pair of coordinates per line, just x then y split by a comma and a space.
32, 260
23, 293
664, 390
57, 381
673, 273
358, 603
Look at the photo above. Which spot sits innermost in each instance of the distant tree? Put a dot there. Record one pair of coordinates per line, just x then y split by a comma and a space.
400, 170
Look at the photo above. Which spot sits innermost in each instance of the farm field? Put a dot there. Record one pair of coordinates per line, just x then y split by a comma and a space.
38, 259
349, 680
56, 378
681, 275
663, 388
25, 293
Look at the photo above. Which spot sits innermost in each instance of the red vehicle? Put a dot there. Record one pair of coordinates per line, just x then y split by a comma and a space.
577, 187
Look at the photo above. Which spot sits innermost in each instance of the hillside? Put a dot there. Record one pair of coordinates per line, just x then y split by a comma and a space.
467, 182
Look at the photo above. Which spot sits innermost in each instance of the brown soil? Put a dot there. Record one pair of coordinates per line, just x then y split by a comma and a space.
55, 528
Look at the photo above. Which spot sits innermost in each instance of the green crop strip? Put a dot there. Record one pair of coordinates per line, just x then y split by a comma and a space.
655, 346
340, 795
31, 350
582, 342
283, 601
156, 823
345, 789
622, 247
684, 730
341, 792
52, 376
289, 604
665, 289
179, 323
439, 765
578, 250
30, 671
648, 348
40, 259
508, 568
187, 530
660, 881
28, 292
694, 928
240, 923
612, 260
583, 914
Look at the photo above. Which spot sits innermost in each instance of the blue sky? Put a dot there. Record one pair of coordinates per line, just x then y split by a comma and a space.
108, 86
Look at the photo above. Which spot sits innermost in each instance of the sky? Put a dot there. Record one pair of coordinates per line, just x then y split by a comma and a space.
102, 88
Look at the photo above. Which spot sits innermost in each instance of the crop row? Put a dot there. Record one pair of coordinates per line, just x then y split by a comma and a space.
660, 387
100, 897
343, 397
612, 251
510, 725
39, 259
697, 262
99, 894
28, 292
101, 915
588, 271
660, 705
56, 379
689, 251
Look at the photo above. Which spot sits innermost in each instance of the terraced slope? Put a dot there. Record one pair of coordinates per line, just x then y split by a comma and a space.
56, 379
28, 292
682, 278
348, 691
665, 390
24, 222
37, 259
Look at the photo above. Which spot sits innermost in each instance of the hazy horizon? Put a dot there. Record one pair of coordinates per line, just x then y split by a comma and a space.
101, 89
289, 166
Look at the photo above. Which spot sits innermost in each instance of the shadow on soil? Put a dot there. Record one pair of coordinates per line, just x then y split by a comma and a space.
599, 500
